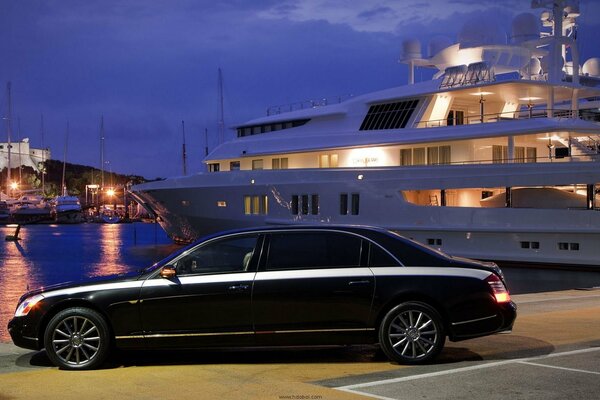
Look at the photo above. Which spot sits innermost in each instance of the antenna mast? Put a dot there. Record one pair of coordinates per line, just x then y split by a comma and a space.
43, 156
183, 153
8, 132
221, 109
102, 151
64, 187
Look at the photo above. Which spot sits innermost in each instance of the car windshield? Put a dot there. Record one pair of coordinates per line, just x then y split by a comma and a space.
167, 259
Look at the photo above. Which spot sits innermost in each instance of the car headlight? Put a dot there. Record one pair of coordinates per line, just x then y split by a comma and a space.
27, 304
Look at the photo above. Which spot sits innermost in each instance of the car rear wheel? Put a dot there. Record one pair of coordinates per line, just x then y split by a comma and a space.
77, 338
412, 333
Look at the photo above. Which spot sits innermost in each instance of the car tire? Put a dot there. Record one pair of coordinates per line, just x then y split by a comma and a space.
412, 333
77, 338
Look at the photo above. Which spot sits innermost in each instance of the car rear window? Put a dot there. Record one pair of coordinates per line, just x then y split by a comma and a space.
306, 250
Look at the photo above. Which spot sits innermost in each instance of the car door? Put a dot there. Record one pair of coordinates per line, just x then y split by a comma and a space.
208, 301
311, 289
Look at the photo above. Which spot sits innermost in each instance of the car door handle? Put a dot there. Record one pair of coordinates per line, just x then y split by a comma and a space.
356, 283
238, 288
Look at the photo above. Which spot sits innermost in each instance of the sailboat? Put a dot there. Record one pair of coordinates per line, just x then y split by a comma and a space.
66, 209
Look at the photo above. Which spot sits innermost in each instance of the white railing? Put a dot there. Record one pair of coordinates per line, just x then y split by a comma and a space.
498, 117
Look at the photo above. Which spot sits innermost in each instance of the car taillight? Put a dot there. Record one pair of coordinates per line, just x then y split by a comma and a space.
498, 289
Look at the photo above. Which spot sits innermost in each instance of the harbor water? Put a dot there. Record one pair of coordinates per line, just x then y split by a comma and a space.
50, 254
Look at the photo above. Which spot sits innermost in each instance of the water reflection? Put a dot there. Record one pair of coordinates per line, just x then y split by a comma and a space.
50, 254
110, 246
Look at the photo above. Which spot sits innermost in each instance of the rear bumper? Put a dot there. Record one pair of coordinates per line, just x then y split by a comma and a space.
500, 321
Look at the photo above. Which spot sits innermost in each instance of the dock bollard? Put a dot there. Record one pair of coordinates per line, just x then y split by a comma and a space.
15, 237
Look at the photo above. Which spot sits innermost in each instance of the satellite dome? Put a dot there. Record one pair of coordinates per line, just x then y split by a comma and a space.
524, 27
437, 44
481, 31
591, 67
534, 67
411, 49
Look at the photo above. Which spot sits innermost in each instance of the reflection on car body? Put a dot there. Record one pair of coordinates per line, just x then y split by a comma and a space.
325, 285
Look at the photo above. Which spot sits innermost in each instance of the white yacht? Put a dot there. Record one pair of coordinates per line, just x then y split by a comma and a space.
497, 157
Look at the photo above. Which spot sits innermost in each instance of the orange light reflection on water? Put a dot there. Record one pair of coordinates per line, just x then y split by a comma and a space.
15, 277
110, 243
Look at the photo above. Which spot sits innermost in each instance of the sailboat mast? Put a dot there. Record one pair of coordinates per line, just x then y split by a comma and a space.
184, 155
8, 133
43, 156
221, 109
19, 138
102, 152
63, 184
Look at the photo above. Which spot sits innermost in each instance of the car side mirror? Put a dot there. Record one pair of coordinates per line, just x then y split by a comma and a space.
168, 272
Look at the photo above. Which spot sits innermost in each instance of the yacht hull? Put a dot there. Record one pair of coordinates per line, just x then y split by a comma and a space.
190, 207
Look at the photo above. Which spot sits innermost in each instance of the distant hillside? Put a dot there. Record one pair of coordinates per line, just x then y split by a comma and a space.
76, 177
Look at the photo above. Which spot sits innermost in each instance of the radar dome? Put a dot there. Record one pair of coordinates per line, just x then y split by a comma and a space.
411, 49
534, 67
437, 44
591, 67
524, 27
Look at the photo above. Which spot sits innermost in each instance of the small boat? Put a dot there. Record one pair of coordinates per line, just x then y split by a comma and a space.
110, 216
67, 210
31, 209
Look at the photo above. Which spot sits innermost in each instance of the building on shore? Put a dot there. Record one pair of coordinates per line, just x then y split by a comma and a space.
21, 154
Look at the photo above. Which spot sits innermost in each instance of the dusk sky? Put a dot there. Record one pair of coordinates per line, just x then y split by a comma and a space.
147, 65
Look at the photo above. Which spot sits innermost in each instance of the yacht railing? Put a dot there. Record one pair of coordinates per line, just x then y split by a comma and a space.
500, 117
307, 104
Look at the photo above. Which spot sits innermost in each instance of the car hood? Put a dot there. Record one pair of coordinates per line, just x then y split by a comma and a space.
128, 276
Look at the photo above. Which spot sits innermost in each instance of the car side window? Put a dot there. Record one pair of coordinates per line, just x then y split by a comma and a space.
224, 255
306, 250
380, 258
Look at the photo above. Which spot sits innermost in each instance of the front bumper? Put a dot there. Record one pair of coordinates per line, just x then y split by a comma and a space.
23, 334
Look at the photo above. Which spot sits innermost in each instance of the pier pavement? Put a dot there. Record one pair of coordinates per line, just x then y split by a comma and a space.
552, 353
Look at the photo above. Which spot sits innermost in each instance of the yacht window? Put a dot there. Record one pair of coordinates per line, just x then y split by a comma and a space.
531, 154
234, 166
456, 117
314, 204
445, 156
405, 156
328, 161
275, 163
255, 205
519, 154
498, 154
432, 155
214, 167
389, 115
304, 204
343, 204
294, 205
419, 156
355, 203
247, 205
257, 164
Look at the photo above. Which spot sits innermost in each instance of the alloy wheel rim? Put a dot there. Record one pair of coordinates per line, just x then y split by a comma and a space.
413, 334
76, 340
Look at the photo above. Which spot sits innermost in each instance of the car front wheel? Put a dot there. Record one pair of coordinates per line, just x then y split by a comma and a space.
412, 333
77, 338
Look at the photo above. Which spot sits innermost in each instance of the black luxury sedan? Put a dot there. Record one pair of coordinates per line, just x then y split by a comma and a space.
275, 286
